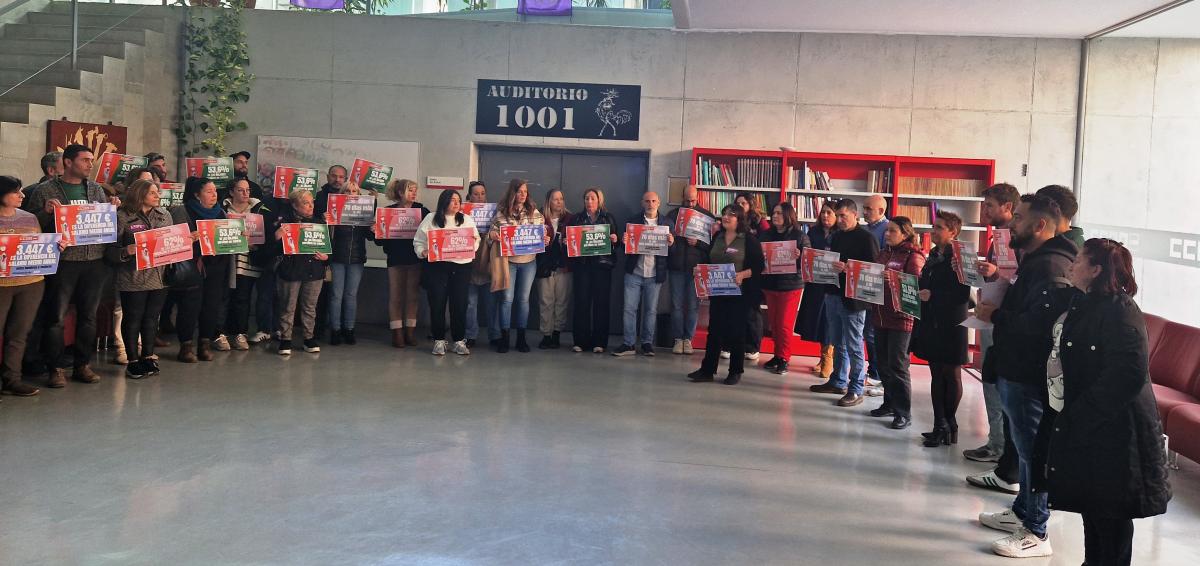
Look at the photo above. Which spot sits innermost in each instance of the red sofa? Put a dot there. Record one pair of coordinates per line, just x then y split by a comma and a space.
1175, 375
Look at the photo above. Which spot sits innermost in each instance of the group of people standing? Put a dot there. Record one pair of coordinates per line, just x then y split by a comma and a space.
1072, 415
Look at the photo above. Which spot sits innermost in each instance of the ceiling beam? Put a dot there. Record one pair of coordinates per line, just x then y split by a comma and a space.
1140, 17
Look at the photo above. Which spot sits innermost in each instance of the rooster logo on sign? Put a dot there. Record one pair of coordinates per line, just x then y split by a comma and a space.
606, 110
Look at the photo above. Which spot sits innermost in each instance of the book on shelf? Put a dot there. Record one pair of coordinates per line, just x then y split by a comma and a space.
809, 179
807, 206
756, 172
714, 201
918, 213
941, 187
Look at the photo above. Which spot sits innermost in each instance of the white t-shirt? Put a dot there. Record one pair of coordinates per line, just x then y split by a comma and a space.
646, 262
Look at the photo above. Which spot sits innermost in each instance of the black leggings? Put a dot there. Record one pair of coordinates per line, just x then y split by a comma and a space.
946, 390
203, 306
141, 309
726, 331
447, 282
1107, 542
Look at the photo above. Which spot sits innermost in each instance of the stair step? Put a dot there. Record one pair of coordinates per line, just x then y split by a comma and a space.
101, 8
56, 77
33, 61
63, 33
98, 20
58, 47
14, 112
32, 94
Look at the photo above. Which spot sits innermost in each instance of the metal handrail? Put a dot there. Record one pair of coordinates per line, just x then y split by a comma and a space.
75, 45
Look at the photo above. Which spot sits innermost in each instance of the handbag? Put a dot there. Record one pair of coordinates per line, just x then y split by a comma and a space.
182, 275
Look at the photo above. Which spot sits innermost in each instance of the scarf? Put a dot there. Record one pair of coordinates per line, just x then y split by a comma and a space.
201, 213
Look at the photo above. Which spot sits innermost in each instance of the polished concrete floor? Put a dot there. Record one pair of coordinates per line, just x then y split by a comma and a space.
367, 455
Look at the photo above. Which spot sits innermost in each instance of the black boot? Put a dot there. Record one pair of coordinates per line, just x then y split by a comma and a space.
522, 345
557, 341
348, 337
335, 336
941, 437
701, 375
502, 343
546, 343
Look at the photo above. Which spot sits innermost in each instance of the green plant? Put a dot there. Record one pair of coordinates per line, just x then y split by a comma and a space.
215, 80
475, 5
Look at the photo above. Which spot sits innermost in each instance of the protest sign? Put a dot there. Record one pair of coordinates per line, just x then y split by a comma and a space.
83, 224
864, 281
816, 266
306, 238
482, 213
113, 167
905, 293
396, 223
642, 239
219, 170
780, 257
162, 246
691, 223
452, 243
256, 230
22, 255
224, 236
350, 210
966, 264
289, 179
370, 175
716, 280
523, 239
588, 240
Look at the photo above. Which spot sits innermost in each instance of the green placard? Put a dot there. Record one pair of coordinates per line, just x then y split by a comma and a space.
588, 240
910, 301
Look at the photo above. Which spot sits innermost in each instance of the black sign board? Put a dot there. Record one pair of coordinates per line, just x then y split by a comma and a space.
559, 110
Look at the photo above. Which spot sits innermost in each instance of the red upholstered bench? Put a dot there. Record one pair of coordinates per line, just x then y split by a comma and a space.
1175, 376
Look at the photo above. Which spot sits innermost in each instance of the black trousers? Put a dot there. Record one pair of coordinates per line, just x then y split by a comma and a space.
592, 287
203, 307
892, 348
727, 319
754, 327
946, 390
141, 309
80, 283
1107, 542
238, 319
447, 282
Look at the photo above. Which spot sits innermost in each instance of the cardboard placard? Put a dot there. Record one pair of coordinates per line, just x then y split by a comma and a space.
780, 257
306, 238
113, 167
589, 240
396, 223
905, 289
524, 239
448, 244
1002, 252
816, 266
966, 264
350, 210
23, 255
170, 194
864, 281
370, 175
224, 236
219, 170
162, 246
716, 280
691, 223
83, 224
483, 213
256, 229
289, 179
643, 239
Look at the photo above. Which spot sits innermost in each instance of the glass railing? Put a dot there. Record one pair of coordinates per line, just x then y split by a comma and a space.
402, 7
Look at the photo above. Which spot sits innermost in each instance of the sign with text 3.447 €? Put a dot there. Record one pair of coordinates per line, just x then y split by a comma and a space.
558, 110
83, 224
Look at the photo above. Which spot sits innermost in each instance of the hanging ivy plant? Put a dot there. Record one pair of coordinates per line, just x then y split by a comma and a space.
215, 81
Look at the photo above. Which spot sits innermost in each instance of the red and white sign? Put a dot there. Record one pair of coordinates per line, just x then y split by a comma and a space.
396, 223
450, 244
163, 246
781, 257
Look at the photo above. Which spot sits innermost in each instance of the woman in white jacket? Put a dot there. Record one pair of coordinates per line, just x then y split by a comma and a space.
447, 280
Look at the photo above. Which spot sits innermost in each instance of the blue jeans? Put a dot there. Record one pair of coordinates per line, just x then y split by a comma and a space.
685, 306
642, 290
846, 335
343, 295
520, 278
1023, 405
474, 294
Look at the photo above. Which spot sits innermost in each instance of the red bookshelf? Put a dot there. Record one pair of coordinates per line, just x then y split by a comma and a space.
919, 185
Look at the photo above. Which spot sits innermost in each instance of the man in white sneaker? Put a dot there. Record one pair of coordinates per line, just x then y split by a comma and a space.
644, 276
874, 212
685, 253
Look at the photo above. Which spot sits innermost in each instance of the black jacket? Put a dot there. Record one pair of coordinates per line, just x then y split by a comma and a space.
788, 281
256, 190
938, 336
213, 264
1022, 323
349, 242
299, 267
1104, 453
660, 262
602, 261
683, 257
555, 256
400, 252
857, 244
755, 262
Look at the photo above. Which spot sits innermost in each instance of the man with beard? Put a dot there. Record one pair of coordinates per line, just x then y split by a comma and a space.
241, 170
1022, 334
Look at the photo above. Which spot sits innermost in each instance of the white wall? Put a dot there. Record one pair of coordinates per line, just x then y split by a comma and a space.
1141, 146
414, 79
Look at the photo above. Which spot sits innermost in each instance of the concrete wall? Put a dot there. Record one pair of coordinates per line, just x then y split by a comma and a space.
1141, 146
347, 76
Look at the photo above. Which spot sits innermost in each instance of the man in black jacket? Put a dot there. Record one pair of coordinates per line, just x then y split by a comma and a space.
644, 276
241, 170
1017, 359
683, 257
847, 316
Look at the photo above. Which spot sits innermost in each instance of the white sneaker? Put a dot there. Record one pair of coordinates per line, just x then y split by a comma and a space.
576, 349
240, 342
687, 346
597, 350
875, 392
1022, 544
724, 355
259, 337
461, 349
678, 347
221, 344
439, 347
1005, 520
989, 480
751, 355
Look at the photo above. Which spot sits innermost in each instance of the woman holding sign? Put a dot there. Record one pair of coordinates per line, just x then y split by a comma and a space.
893, 329
811, 324
938, 337
727, 314
248, 267
404, 268
782, 285
554, 296
448, 240
347, 263
516, 209
591, 279
202, 307
299, 276
142, 292
20, 297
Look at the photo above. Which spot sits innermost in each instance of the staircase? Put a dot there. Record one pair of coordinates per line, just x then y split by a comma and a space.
127, 75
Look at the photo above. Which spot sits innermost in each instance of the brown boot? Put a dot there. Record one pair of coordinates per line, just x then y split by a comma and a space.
409, 339
397, 337
186, 354
57, 378
826, 362
84, 374
204, 352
